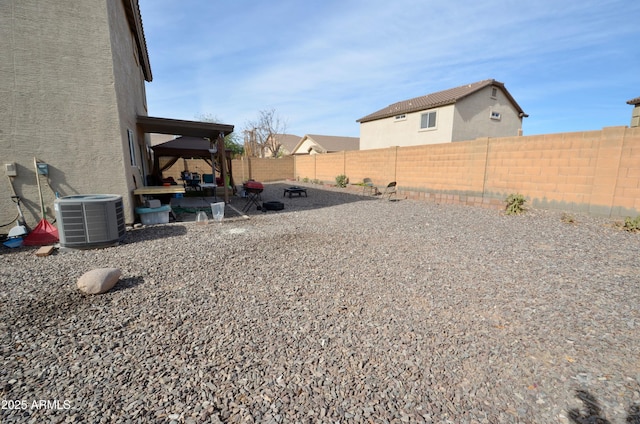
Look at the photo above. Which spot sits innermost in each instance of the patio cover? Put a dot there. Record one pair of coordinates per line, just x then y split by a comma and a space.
185, 147
182, 147
192, 130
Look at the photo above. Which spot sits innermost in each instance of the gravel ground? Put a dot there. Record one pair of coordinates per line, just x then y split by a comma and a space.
337, 309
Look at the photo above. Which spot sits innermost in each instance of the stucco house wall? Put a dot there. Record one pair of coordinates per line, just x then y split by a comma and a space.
406, 131
131, 100
71, 85
473, 116
305, 146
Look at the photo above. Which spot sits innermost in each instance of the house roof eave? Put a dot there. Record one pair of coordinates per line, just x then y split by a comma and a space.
634, 102
134, 17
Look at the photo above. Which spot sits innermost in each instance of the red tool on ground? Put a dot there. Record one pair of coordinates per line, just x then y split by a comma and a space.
44, 233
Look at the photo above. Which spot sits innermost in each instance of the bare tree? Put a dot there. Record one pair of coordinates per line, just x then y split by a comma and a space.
261, 136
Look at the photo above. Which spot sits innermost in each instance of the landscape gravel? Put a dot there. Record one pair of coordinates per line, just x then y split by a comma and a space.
340, 308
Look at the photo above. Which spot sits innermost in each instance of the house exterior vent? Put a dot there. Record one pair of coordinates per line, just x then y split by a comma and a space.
87, 221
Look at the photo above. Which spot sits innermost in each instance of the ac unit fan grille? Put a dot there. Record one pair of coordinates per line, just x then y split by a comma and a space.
73, 226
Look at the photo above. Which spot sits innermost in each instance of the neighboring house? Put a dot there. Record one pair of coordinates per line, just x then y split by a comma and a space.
73, 96
481, 109
312, 144
287, 142
282, 144
635, 114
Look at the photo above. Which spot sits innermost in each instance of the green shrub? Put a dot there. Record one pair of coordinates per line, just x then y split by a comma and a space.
342, 180
632, 224
305, 180
515, 204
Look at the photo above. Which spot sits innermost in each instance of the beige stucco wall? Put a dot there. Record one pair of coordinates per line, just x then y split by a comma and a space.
58, 71
635, 117
406, 132
305, 146
473, 116
131, 101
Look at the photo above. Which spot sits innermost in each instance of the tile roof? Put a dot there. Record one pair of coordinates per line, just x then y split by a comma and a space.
635, 101
440, 98
330, 143
288, 141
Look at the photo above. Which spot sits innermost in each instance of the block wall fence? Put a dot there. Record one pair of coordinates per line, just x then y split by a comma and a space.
262, 169
595, 172
243, 169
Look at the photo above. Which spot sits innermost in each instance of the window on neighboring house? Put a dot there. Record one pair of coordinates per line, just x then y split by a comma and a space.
132, 147
494, 92
401, 117
496, 115
428, 120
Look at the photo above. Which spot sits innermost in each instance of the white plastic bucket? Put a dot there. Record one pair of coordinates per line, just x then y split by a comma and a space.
217, 210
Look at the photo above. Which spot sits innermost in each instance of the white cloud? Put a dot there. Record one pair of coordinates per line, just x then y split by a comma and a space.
323, 65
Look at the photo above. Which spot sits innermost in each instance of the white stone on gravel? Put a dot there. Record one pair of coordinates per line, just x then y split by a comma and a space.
98, 281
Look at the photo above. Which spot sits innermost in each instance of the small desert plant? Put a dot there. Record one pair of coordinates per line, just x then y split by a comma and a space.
342, 181
632, 224
305, 180
316, 181
515, 204
567, 218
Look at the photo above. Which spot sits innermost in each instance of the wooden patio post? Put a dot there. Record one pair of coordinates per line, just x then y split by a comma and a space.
223, 164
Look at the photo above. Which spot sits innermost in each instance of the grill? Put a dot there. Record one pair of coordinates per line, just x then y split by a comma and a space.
253, 190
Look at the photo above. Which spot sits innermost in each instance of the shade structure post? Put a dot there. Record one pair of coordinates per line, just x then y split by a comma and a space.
223, 164
213, 149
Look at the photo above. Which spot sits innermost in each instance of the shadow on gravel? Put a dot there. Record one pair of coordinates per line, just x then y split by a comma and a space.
127, 283
154, 232
317, 197
45, 308
593, 414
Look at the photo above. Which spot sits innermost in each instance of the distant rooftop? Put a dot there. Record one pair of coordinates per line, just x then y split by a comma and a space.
440, 98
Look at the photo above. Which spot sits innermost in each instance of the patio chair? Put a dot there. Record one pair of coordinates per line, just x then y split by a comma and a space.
208, 184
390, 190
368, 187
207, 179
194, 182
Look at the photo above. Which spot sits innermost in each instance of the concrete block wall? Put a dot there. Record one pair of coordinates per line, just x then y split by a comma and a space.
304, 167
329, 166
626, 193
262, 169
581, 171
596, 172
457, 167
377, 164
243, 169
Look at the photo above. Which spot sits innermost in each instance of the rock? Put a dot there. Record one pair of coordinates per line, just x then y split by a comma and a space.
99, 280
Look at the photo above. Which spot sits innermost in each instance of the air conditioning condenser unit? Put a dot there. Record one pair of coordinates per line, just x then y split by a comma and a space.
90, 220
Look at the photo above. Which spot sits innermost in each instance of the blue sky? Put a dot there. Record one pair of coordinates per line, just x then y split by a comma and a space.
323, 64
